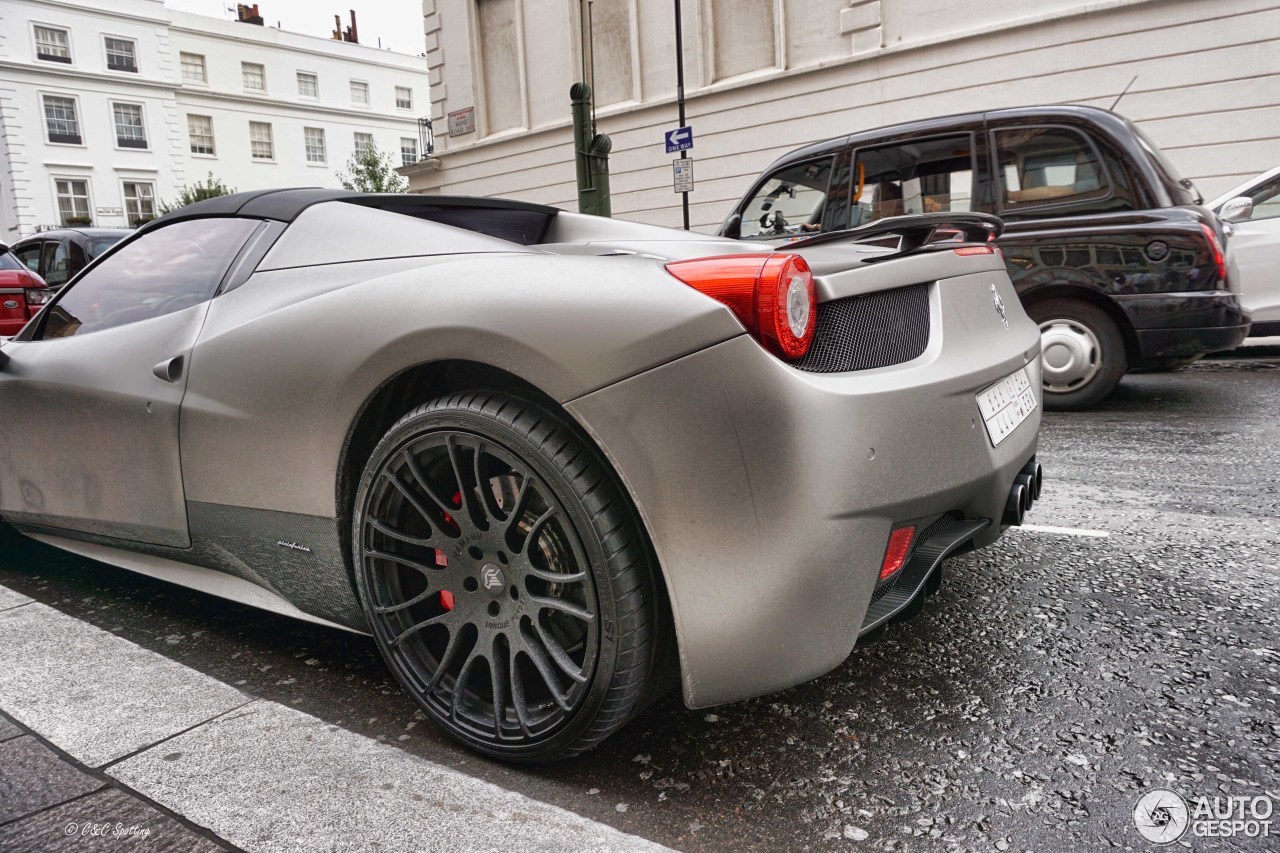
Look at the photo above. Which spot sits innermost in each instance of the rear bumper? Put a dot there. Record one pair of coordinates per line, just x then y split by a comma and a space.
1185, 326
769, 493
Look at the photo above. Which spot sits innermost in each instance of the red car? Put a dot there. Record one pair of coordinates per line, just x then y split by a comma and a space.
22, 293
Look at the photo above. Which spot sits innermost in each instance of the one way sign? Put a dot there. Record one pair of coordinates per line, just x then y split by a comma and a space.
679, 139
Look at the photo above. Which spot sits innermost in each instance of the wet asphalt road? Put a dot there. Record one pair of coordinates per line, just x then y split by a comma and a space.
1053, 679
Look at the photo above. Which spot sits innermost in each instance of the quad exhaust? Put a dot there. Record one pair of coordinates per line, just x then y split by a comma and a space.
1024, 492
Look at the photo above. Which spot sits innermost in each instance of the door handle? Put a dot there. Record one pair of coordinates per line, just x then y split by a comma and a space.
169, 370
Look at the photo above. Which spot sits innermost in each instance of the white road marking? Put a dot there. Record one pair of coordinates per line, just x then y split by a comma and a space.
261, 775
1064, 531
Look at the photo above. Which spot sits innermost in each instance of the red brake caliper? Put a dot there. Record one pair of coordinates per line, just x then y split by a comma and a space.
446, 597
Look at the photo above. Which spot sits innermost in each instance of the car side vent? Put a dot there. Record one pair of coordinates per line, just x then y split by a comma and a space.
876, 330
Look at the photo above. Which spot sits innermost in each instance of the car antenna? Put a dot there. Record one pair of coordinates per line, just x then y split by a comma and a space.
1122, 94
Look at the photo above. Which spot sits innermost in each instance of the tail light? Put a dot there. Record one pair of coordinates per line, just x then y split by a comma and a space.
771, 295
1216, 248
38, 297
896, 554
987, 249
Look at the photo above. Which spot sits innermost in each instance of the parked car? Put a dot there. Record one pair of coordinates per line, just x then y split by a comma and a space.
1109, 249
1253, 211
551, 462
22, 293
59, 254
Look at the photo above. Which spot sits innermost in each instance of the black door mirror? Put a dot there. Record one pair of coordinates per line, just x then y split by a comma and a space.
732, 227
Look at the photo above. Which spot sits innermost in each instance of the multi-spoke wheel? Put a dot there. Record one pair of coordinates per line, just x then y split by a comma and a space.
1082, 351
504, 577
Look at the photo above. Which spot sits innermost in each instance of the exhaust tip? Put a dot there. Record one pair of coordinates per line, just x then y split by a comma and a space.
1015, 506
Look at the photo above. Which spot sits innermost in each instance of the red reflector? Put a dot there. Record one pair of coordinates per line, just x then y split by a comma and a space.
896, 554
975, 250
446, 599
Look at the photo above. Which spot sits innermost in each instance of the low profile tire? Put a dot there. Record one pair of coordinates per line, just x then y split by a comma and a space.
505, 577
1083, 353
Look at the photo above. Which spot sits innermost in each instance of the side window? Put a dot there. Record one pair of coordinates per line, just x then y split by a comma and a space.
926, 176
789, 202
1266, 200
161, 272
55, 264
1042, 166
30, 257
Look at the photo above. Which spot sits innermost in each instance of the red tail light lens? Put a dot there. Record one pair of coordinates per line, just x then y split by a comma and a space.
1216, 248
771, 295
896, 554
976, 250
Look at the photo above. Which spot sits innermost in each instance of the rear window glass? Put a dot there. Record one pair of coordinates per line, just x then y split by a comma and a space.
9, 262
1042, 166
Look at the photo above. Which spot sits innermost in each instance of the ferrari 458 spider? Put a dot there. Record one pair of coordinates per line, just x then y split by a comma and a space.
552, 463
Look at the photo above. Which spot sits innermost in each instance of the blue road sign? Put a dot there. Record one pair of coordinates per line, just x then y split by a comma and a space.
679, 139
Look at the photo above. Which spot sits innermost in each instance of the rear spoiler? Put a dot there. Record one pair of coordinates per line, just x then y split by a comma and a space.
915, 232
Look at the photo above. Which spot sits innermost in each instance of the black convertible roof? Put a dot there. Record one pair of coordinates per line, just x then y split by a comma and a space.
285, 204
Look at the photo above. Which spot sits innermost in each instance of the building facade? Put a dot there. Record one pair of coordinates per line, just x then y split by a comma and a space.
107, 110
765, 76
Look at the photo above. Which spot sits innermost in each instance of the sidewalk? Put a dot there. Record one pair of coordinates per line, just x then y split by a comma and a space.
50, 802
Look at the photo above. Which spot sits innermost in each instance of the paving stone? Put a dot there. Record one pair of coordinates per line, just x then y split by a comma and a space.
96, 695
110, 821
269, 778
33, 777
8, 728
9, 598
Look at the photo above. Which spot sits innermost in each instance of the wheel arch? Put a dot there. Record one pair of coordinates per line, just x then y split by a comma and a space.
1069, 290
411, 387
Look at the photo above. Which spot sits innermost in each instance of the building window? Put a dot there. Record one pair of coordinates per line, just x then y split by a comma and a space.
308, 85
408, 150
128, 121
73, 202
404, 98
122, 54
363, 140
314, 139
260, 144
139, 202
200, 129
53, 45
359, 92
61, 121
255, 76
193, 69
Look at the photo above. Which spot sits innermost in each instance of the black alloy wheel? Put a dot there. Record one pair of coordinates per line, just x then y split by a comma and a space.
505, 577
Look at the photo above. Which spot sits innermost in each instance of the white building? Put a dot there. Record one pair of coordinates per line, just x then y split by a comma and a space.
108, 108
765, 76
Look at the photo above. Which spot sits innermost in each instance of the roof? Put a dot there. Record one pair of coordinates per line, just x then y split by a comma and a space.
285, 204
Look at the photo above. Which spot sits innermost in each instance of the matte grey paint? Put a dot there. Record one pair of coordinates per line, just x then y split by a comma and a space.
767, 508
756, 481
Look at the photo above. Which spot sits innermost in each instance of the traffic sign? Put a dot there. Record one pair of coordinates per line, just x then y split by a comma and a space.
683, 174
679, 139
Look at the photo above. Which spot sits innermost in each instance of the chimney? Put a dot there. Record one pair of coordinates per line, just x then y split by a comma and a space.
246, 14
349, 34
352, 35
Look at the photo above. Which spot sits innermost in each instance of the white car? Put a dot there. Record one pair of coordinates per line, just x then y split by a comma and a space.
1253, 209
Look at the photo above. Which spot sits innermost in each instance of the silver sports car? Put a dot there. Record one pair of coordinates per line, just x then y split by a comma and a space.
552, 463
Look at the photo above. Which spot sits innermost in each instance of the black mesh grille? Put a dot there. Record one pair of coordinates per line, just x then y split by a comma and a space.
876, 330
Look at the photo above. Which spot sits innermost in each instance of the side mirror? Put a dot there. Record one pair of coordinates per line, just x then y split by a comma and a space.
732, 227
1237, 209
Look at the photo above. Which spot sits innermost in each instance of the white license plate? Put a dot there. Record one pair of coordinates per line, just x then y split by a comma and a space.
1006, 404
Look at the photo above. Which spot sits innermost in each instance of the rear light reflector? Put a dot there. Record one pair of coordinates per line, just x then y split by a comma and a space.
896, 554
771, 295
1216, 247
976, 250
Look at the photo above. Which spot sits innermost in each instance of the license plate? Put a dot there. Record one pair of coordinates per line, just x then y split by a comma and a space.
1006, 404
